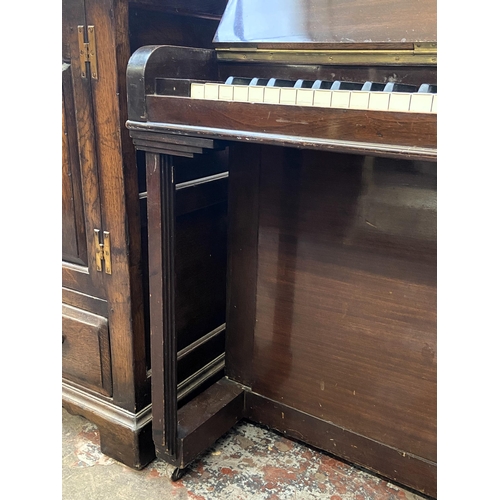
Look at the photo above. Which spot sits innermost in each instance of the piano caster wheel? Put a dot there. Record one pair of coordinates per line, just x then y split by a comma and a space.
177, 474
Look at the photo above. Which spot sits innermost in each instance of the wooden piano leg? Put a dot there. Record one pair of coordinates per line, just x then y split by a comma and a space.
161, 219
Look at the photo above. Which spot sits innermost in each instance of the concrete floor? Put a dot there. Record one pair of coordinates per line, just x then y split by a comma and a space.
248, 463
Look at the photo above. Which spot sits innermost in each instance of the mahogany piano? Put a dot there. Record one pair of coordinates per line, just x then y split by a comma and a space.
291, 192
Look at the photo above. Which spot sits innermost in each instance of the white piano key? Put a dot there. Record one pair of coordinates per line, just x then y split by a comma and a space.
198, 91
322, 98
340, 98
240, 93
256, 93
288, 96
421, 103
379, 101
212, 91
399, 101
305, 97
359, 99
434, 108
272, 95
226, 92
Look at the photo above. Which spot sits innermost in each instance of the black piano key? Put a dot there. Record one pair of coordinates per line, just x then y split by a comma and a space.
338, 85
373, 87
236, 80
321, 84
428, 88
399, 87
303, 84
259, 81
277, 82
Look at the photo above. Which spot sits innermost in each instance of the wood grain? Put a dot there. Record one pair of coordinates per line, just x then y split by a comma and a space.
370, 131
346, 295
349, 23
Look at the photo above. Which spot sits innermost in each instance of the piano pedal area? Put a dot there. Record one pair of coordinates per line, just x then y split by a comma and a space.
323, 94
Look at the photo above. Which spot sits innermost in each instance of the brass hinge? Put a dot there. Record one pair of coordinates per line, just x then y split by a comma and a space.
102, 251
87, 51
428, 49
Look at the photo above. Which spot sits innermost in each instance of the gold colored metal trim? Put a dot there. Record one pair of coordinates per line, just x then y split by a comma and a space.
82, 47
421, 54
107, 252
92, 57
98, 250
87, 51
102, 251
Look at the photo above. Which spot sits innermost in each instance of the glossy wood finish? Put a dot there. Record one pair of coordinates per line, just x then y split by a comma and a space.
208, 9
243, 233
339, 294
346, 294
163, 24
414, 75
349, 23
151, 62
375, 132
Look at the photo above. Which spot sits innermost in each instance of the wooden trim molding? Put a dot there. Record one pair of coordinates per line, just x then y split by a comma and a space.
125, 436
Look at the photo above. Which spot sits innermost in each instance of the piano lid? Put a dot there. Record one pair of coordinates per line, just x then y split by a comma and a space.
316, 24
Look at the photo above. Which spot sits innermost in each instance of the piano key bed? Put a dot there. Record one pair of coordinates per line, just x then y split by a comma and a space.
339, 94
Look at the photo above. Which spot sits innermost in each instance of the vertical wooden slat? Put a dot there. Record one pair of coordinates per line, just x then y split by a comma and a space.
243, 214
161, 223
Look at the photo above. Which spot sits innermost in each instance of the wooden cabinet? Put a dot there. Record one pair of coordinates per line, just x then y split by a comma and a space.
105, 347
105, 372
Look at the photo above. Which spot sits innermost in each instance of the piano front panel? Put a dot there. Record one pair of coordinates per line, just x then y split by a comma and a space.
345, 324
398, 133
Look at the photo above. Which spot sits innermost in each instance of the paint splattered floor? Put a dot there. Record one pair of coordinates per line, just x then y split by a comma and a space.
248, 463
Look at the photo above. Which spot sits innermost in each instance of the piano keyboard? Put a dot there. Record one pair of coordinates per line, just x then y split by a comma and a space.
348, 95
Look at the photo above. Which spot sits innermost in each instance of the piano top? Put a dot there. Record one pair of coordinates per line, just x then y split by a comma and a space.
310, 24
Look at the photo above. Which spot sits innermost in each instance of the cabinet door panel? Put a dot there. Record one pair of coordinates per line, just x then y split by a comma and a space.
81, 203
85, 349
73, 222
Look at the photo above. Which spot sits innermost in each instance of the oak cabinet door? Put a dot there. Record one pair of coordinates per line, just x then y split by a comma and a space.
81, 212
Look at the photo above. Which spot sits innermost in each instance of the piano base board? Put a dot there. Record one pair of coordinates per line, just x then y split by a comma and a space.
214, 412
403, 468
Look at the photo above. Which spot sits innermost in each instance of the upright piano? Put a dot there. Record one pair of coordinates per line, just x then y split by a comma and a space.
291, 192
